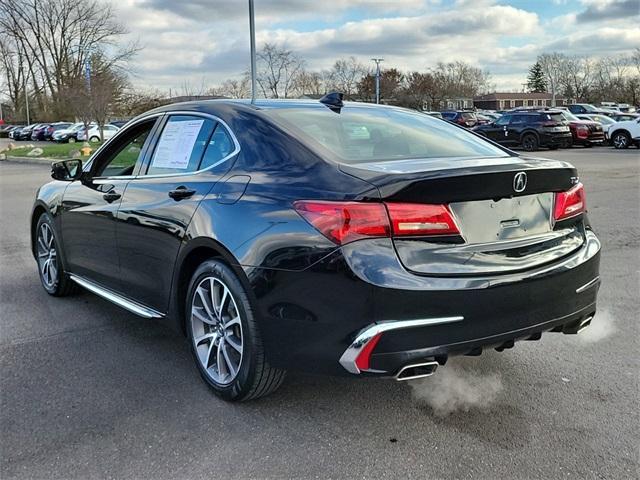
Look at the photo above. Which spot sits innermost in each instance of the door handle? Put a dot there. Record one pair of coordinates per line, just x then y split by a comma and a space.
180, 193
111, 196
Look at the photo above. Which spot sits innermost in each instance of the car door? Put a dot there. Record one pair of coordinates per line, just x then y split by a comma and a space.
90, 205
496, 130
191, 154
515, 128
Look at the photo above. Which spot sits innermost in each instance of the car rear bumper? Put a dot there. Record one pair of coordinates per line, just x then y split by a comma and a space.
319, 319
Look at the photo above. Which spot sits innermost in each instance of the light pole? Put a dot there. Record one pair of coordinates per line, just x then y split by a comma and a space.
378, 60
252, 35
26, 99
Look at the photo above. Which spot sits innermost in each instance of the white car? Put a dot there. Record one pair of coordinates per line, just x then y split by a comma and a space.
94, 133
624, 134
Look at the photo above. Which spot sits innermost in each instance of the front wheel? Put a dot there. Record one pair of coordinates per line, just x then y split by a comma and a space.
52, 275
530, 142
621, 140
71, 140
94, 139
224, 336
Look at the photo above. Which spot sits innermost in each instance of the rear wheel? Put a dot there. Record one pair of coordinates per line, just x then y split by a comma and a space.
94, 139
530, 142
621, 140
224, 336
52, 275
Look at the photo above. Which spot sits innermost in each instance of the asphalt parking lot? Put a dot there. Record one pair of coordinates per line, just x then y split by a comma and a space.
89, 390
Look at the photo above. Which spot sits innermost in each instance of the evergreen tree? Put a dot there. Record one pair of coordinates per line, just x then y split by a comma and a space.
536, 82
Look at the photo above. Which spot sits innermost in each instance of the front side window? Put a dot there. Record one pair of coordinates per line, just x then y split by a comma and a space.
358, 135
121, 157
181, 145
503, 120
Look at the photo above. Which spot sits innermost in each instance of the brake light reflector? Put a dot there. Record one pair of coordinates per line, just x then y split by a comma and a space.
344, 222
421, 219
569, 204
363, 359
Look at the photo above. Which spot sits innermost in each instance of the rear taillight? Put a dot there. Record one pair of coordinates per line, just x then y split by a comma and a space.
344, 222
569, 204
419, 219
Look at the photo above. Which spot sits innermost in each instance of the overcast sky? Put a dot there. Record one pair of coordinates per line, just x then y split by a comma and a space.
207, 41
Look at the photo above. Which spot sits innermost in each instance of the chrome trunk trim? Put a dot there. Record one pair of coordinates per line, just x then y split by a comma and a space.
121, 301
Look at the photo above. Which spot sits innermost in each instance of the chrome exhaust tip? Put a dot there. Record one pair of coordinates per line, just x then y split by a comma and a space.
416, 370
584, 323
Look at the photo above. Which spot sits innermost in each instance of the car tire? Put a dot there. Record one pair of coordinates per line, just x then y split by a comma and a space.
530, 142
621, 140
53, 276
229, 332
71, 140
94, 139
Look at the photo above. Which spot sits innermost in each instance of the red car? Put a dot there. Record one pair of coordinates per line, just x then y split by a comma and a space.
584, 132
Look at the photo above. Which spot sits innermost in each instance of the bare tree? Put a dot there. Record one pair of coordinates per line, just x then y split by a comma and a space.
553, 66
235, 88
58, 36
309, 83
277, 70
345, 75
576, 76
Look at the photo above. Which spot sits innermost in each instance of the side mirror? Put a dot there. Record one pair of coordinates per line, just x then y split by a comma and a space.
67, 170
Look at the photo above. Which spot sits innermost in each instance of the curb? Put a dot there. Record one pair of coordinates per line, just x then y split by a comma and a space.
32, 160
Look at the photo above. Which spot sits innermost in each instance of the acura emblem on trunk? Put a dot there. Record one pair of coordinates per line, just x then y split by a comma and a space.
520, 182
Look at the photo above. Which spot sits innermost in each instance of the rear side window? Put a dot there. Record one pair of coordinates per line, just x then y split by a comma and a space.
181, 145
370, 134
219, 148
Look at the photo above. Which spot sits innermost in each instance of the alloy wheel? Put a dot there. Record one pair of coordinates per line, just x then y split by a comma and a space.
47, 256
216, 330
620, 141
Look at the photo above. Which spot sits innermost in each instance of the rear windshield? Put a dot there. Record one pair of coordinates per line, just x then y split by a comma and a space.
556, 117
361, 135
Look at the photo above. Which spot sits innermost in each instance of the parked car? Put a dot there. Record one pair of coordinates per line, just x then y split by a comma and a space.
12, 133
576, 108
280, 235
37, 133
462, 118
623, 117
93, 134
70, 134
529, 130
54, 127
584, 132
492, 115
24, 133
624, 134
603, 120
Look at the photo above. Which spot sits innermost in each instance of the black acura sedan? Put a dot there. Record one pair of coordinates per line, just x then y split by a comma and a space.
340, 238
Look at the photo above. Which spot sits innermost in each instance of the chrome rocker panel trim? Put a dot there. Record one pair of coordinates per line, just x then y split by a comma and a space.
116, 298
348, 358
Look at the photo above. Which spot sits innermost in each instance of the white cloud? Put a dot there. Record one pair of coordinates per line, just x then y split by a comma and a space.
199, 39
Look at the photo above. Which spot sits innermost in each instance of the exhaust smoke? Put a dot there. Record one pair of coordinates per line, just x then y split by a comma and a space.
602, 326
456, 388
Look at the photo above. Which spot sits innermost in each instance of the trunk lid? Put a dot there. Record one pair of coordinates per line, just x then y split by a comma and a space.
504, 227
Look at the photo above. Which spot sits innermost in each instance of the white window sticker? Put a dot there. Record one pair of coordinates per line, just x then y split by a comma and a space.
176, 144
